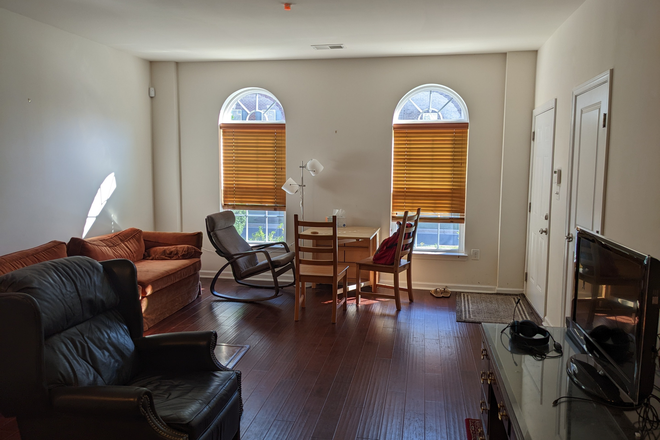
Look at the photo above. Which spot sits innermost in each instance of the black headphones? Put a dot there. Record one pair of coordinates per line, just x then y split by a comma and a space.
524, 334
530, 337
527, 335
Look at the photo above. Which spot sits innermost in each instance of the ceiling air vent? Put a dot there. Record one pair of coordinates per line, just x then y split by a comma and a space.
327, 46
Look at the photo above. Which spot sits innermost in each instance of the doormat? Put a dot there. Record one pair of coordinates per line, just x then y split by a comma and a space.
493, 308
229, 355
474, 429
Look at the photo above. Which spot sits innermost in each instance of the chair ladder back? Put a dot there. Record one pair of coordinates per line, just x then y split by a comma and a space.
400, 253
306, 234
409, 243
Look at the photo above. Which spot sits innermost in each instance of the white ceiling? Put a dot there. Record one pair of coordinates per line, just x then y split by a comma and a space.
198, 30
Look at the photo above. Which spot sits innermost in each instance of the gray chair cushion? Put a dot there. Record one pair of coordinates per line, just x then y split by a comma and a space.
278, 261
221, 226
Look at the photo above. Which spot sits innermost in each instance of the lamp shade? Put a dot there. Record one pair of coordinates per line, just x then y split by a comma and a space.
314, 167
290, 186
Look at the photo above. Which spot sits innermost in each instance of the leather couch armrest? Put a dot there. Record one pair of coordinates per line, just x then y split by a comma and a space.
113, 401
182, 351
127, 406
153, 239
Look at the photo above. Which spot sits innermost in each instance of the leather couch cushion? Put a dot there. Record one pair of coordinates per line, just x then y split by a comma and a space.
97, 352
86, 340
124, 244
69, 291
161, 273
49, 251
190, 402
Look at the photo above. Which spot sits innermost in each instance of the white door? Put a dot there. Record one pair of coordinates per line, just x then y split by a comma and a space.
589, 163
538, 219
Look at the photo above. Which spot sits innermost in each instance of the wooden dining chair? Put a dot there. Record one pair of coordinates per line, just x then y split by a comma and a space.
316, 246
402, 261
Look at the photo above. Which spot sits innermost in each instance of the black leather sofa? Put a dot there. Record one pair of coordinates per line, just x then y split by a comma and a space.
74, 363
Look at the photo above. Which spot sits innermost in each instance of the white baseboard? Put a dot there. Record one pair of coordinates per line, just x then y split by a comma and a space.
476, 288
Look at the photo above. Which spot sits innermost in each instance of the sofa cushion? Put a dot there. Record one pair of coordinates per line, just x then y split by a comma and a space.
191, 402
178, 252
49, 251
124, 244
82, 327
154, 239
153, 275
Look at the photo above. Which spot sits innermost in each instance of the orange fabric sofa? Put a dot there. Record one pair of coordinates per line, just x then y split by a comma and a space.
168, 265
49, 251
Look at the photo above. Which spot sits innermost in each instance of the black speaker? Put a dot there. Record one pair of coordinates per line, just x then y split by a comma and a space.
525, 334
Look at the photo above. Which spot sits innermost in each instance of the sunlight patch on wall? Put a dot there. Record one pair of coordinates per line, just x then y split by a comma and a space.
102, 195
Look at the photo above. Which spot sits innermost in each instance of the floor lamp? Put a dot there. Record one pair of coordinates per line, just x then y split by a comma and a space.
291, 186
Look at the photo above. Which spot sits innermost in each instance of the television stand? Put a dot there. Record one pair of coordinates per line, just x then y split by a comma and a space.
517, 395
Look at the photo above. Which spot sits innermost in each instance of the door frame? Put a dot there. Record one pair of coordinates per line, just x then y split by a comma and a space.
597, 81
548, 106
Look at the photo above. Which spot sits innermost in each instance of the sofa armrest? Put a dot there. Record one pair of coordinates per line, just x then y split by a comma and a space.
181, 351
125, 404
114, 401
154, 239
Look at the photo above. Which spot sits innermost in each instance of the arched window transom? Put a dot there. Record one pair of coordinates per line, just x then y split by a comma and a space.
252, 105
431, 103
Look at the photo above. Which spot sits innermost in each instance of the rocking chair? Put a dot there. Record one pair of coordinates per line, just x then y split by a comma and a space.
242, 257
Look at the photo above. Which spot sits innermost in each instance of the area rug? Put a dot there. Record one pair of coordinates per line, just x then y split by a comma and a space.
494, 308
228, 354
472, 428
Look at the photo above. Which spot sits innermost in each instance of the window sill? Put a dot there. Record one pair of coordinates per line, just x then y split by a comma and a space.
440, 255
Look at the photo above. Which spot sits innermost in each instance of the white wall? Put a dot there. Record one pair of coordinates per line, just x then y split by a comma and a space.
518, 105
340, 112
166, 146
71, 112
609, 34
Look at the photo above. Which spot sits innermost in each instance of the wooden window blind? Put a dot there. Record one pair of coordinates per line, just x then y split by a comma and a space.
253, 166
429, 168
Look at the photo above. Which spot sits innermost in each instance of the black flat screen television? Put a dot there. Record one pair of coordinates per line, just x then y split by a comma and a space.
614, 320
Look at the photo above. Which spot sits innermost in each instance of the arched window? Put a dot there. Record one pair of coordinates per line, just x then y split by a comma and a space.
253, 163
429, 165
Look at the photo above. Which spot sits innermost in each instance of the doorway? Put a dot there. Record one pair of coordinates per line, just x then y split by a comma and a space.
539, 203
588, 165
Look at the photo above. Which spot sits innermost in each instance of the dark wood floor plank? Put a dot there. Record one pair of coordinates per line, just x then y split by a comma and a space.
264, 419
304, 425
348, 423
393, 416
331, 412
456, 412
372, 414
378, 373
360, 383
293, 406
279, 430
402, 346
413, 425
435, 422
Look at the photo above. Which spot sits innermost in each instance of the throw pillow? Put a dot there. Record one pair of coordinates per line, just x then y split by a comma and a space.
124, 244
177, 252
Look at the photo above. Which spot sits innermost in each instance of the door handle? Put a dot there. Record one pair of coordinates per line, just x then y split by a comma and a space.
569, 237
543, 231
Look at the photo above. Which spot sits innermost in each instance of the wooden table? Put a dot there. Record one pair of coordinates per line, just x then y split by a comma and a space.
355, 244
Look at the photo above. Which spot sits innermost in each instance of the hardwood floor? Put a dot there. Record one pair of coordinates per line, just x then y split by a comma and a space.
376, 374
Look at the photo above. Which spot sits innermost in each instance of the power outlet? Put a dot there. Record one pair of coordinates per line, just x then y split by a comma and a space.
475, 254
